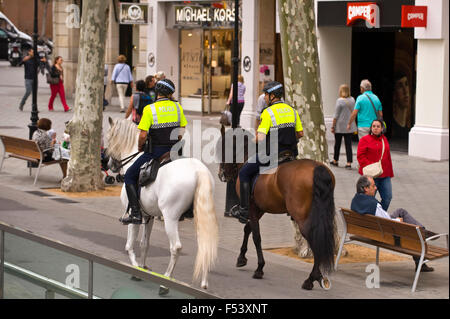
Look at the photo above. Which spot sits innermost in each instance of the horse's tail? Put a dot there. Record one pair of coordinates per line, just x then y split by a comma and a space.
321, 219
205, 224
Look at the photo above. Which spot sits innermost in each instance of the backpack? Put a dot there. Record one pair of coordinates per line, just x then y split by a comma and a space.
144, 100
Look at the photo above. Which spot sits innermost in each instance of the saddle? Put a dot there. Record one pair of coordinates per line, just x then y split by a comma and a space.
283, 157
286, 156
149, 171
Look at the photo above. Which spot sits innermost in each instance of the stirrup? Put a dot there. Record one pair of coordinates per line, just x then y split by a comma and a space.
236, 212
130, 219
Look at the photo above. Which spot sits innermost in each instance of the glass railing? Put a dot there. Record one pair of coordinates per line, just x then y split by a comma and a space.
35, 267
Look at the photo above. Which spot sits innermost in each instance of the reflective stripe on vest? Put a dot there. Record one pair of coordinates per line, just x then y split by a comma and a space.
156, 125
274, 119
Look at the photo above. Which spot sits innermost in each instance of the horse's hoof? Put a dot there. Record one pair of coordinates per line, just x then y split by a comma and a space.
325, 283
258, 275
241, 262
135, 278
163, 290
307, 285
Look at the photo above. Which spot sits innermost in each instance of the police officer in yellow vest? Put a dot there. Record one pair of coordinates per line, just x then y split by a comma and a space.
279, 117
157, 123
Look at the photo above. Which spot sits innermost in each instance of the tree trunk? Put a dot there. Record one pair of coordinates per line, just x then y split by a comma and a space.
302, 85
44, 18
85, 128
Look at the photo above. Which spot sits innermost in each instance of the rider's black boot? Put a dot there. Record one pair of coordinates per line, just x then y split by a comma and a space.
135, 216
241, 211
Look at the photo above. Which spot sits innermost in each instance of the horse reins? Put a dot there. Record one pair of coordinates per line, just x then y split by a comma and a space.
126, 160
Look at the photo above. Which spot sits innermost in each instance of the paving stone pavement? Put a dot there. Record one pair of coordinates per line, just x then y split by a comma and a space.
420, 186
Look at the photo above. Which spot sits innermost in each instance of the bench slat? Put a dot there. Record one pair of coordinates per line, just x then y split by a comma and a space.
18, 146
434, 252
437, 252
383, 224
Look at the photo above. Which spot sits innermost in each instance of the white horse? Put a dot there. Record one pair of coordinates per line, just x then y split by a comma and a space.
178, 185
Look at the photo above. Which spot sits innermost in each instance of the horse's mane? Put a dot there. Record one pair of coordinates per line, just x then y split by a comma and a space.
122, 138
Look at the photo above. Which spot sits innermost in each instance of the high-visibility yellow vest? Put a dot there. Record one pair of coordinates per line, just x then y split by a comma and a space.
285, 120
160, 119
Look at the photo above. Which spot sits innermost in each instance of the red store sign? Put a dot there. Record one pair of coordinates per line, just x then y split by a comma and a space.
414, 16
367, 11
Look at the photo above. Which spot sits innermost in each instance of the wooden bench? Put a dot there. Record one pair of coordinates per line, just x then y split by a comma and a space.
390, 234
23, 149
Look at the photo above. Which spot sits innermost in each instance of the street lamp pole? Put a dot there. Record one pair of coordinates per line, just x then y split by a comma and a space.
234, 118
231, 197
34, 110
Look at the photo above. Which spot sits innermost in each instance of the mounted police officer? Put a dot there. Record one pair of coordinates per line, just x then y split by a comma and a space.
283, 122
157, 123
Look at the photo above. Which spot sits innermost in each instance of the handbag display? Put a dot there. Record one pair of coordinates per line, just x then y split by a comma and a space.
374, 170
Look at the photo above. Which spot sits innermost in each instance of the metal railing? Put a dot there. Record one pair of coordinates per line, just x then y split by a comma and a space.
52, 286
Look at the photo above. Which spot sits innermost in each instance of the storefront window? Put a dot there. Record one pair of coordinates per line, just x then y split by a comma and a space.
205, 71
191, 69
217, 81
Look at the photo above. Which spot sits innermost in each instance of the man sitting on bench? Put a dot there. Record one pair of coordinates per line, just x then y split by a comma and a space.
364, 202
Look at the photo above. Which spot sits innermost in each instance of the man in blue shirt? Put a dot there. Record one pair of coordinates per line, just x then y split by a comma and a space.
364, 202
364, 109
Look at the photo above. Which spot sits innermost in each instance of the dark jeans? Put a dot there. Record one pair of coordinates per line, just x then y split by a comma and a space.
250, 169
132, 174
240, 107
348, 146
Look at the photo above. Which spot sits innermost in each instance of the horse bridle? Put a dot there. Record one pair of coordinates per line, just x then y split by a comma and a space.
125, 160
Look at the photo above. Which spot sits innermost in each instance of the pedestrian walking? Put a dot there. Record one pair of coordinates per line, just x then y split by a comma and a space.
122, 77
160, 75
138, 101
366, 109
344, 107
373, 148
29, 68
105, 83
150, 82
57, 71
240, 99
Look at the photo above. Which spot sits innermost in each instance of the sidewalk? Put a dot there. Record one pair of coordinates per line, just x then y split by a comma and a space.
419, 186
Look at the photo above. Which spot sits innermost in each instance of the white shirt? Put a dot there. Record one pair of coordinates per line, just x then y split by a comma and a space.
261, 106
380, 212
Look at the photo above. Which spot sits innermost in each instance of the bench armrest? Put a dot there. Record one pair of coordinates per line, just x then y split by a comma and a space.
436, 236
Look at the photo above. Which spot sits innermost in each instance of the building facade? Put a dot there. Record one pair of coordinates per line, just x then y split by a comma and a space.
192, 43
408, 66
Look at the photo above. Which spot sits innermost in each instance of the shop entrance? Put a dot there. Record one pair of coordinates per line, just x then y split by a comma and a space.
387, 59
206, 69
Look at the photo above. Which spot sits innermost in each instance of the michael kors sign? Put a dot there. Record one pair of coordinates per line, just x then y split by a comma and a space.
209, 15
201, 14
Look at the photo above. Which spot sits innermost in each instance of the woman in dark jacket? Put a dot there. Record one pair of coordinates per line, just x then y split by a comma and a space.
56, 71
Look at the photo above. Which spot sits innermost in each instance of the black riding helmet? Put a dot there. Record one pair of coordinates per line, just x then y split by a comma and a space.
165, 88
275, 88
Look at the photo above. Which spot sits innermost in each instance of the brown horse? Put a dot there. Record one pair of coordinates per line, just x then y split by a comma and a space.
302, 188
